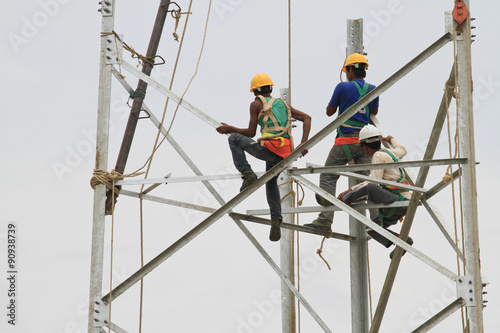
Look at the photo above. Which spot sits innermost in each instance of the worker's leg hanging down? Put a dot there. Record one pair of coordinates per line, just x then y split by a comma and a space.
386, 217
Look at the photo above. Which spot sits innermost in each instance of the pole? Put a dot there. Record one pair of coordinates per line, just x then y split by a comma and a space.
286, 248
468, 189
102, 139
140, 93
358, 248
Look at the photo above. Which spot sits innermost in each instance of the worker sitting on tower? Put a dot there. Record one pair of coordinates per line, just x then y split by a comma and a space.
274, 117
346, 147
370, 139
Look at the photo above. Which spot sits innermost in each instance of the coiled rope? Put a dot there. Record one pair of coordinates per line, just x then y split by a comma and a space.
108, 179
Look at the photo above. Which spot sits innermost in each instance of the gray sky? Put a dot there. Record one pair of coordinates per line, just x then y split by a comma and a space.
219, 282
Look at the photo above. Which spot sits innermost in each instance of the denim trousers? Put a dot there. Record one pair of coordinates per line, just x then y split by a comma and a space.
328, 181
239, 144
374, 193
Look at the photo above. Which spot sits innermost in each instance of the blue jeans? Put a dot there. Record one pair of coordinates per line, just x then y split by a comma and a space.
239, 144
328, 181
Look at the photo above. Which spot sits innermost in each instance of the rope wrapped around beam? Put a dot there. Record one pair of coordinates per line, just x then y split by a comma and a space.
108, 179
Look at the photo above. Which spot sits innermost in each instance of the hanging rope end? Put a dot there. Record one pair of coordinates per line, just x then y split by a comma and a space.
447, 178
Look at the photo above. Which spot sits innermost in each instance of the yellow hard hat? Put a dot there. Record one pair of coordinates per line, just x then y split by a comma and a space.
355, 58
260, 80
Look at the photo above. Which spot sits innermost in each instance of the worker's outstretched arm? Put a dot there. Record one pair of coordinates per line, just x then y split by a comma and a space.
306, 126
250, 131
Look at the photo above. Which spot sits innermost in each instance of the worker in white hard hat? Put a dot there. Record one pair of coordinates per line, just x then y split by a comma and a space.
370, 139
346, 147
274, 117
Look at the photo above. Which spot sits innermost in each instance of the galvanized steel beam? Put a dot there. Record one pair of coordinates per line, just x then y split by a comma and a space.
440, 316
102, 139
295, 227
467, 149
360, 316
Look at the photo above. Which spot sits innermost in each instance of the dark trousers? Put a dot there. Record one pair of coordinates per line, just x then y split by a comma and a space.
239, 144
374, 193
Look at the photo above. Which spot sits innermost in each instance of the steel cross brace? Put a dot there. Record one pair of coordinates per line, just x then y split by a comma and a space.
440, 316
314, 209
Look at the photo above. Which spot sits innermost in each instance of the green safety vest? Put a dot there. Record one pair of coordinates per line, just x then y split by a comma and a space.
362, 91
276, 119
385, 214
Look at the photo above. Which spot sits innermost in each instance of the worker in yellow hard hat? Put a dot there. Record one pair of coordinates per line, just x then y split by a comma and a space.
346, 147
274, 116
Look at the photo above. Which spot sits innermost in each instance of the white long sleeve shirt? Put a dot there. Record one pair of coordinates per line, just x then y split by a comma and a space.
388, 174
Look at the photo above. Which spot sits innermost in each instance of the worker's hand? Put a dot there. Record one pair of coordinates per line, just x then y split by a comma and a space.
304, 151
341, 195
225, 128
387, 139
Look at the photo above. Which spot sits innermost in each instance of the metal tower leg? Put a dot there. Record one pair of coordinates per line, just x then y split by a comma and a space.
474, 299
286, 249
102, 139
359, 264
360, 316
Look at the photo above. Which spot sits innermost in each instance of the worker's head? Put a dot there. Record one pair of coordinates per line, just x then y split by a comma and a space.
261, 84
369, 138
355, 66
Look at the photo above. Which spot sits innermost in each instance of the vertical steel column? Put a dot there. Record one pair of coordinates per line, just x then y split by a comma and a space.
358, 249
286, 248
102, 139
469, 194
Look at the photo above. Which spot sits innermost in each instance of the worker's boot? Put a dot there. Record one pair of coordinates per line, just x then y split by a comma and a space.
320, 225
275, 233
322, 201
248, 178
409, 241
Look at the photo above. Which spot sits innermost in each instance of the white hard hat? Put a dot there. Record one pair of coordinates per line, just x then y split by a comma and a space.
369, 133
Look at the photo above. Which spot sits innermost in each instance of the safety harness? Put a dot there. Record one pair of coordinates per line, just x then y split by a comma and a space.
351, 123
276, 131
386, 215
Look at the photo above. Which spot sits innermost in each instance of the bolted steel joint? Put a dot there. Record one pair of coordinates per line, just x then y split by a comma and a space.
465, 290
107, 7
101, 312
